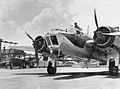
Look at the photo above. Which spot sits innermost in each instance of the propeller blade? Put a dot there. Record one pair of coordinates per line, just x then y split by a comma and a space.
112, 34
29, 36
95, 16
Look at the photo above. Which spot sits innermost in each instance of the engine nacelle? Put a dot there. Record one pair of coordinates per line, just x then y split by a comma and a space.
40, 44
104, 40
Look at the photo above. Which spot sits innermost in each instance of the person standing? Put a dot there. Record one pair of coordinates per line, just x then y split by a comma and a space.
78, 29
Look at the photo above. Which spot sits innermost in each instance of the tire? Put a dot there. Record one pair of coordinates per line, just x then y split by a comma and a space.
113, 71
51, 70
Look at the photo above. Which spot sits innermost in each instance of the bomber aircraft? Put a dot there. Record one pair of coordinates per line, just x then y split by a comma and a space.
104, 45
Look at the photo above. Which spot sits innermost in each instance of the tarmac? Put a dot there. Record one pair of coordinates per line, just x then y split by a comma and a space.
65, 78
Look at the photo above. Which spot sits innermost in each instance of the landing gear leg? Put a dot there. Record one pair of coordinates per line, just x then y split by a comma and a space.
113, 70
11, 65
51, 69
113, 62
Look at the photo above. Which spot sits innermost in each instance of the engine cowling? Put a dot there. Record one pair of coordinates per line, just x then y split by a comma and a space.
40, 44
104, 40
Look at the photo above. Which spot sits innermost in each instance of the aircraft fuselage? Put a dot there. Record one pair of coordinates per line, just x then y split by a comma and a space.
68, 44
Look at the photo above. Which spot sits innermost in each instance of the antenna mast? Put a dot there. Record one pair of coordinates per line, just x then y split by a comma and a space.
87, 29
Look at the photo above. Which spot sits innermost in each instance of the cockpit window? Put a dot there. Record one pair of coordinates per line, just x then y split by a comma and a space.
54, 40
48, 40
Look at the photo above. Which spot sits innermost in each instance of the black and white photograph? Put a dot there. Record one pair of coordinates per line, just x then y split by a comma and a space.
59, 44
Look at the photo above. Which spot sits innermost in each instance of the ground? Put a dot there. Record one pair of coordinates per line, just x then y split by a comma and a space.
66, 78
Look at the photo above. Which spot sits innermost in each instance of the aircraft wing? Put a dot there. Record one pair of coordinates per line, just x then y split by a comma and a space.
112, 34
24, 48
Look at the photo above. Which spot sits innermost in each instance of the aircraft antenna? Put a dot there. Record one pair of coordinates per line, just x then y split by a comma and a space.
88, 30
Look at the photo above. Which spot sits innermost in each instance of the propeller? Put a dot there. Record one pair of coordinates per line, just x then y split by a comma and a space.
36, 50
29, 36
95, 16
38, 43
34, 41
109, 34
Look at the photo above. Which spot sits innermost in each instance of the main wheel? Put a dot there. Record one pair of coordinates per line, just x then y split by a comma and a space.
115, 70
51, 70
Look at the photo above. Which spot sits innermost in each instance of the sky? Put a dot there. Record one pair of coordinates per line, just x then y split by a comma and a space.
37, 17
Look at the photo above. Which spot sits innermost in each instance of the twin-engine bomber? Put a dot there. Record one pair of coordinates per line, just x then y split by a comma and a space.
104, 46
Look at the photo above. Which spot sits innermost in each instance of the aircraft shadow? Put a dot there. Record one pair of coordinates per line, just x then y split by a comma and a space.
78, 75
71, 75
30, 74
113, 77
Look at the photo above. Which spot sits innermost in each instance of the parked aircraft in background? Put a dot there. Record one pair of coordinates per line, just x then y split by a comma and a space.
57, 43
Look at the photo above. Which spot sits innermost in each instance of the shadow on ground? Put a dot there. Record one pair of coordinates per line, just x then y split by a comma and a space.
79, 75
113, 77
72, 75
